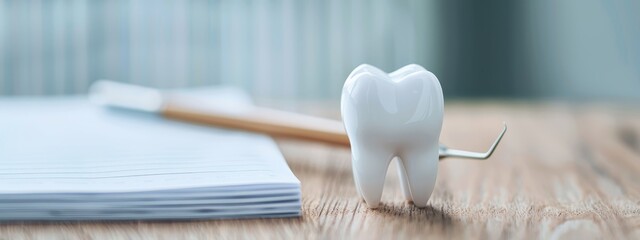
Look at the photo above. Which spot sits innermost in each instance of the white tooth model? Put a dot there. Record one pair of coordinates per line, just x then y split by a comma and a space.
396, 115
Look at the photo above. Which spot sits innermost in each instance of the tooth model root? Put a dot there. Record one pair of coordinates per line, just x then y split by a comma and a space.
404, 182
415, 171
369, 170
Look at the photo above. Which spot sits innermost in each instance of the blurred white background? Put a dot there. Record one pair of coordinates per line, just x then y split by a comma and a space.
572, 50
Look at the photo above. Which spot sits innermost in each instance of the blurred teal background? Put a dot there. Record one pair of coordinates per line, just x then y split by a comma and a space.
572, 50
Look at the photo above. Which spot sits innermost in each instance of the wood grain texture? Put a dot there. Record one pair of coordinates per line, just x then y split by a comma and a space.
562, 171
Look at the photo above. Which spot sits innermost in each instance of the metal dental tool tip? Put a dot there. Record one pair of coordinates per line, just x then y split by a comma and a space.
446, 152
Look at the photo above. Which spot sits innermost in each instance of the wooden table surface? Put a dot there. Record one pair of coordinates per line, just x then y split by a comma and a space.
562, 171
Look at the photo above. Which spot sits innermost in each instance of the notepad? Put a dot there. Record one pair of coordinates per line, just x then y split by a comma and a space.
66, 159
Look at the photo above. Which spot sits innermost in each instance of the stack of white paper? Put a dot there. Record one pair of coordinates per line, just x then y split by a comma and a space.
66, 159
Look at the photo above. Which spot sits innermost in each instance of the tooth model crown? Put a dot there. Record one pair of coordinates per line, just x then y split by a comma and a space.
393, 115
